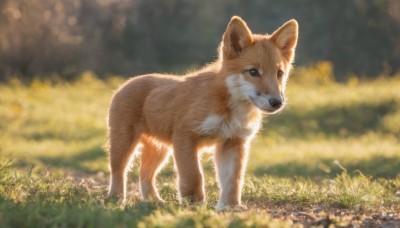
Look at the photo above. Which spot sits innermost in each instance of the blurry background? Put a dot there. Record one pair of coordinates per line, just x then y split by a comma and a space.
63, 38
337, 144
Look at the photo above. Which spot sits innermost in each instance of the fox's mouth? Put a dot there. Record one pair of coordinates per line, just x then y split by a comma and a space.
268, 110
271, 111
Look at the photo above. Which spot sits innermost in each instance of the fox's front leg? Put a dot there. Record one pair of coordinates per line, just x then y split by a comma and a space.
230, 160
190, 175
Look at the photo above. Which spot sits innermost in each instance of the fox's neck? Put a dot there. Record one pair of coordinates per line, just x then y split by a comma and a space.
232, 89
239, 102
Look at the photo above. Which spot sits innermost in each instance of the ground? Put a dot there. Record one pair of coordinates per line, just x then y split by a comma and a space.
331, 158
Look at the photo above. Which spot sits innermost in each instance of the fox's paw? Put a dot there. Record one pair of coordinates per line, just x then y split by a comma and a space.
115, 200
237, 208
193, 200
159, 202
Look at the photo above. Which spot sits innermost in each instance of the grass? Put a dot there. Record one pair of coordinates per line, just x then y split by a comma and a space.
331, 158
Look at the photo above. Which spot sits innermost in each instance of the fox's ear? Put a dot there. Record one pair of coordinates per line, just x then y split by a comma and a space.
285, 38
237, 37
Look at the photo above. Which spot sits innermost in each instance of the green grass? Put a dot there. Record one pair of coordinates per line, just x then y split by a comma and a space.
332, 157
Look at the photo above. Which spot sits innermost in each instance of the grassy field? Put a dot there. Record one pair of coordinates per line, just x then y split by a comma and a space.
331, 158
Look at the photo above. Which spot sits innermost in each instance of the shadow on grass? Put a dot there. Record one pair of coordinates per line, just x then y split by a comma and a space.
377, 166
76, 162
333, 121
87, 214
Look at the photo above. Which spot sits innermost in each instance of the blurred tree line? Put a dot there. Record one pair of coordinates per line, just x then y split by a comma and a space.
41, 38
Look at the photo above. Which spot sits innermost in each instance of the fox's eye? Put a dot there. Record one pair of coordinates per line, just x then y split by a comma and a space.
254, 72
279, 74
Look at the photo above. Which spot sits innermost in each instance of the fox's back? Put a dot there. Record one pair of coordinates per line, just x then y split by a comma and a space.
126, 107
155, 104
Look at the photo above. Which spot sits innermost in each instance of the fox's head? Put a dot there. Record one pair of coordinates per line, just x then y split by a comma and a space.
257, 66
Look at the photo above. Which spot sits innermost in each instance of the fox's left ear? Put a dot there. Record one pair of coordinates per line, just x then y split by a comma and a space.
237, 37
285, 38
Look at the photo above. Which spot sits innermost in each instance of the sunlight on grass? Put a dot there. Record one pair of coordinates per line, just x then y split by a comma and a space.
61, 120
46, 199
335, 146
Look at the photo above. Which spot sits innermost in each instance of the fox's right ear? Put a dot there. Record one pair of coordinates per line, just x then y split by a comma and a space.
285, 38
236, 38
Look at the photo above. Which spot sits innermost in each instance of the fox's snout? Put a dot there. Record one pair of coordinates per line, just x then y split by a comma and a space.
267, 103
273, 103
276, 103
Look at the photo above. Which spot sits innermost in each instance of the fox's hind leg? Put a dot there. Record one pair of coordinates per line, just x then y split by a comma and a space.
122, 144
154, 156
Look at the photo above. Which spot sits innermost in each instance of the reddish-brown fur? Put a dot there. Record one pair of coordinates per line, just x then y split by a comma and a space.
220, 104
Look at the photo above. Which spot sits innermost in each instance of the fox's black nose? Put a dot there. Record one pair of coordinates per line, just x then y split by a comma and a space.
275, 103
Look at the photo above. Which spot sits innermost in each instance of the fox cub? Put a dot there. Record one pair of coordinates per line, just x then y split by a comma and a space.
221, 104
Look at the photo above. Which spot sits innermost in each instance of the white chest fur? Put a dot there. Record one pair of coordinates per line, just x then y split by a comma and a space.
243, 121
235, 126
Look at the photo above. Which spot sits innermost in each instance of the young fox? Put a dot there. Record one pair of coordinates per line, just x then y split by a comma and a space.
220, 105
